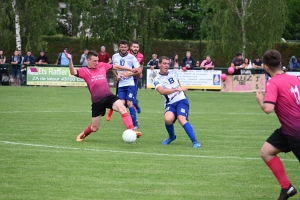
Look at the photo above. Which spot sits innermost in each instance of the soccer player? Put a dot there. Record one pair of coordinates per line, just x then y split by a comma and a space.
126, 86
102, 98
283, 96
134, 50
176, 103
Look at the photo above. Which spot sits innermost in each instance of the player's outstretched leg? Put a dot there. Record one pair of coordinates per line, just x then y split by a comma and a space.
189, 131
169, 123
133, 114
119, 106
136, 104
109, 114
269, 155
91, 128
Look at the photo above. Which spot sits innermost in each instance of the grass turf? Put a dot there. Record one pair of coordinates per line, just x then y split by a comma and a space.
41, 160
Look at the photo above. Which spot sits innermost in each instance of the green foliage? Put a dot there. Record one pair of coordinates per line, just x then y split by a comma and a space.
184, 20
292, 28
252, 27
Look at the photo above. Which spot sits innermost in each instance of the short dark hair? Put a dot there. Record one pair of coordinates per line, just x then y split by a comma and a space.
123, 42
272, 59
135, 42
91, 53
239, 54
163, 58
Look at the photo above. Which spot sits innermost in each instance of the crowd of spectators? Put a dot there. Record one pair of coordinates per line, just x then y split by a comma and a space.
241, 65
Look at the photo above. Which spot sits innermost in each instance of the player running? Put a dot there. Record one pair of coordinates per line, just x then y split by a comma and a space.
126, 87
102, 98
176, 103
283, 96
134, 50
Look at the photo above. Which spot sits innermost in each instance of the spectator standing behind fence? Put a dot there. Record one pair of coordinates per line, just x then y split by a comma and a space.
207, 63
42, 59
62, 59
153, 63
258, 64
236, 63
83, 59
188, 61
293, 64
15, 62
174, 62
104, 56
29, 59
2, 57
246, 65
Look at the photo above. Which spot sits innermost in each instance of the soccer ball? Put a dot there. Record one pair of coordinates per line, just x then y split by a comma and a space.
129, 136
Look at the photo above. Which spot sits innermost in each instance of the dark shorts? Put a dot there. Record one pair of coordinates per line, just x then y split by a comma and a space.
16, 71
99, 108
284, 143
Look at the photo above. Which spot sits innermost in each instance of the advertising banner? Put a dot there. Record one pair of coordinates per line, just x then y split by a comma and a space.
192, 79
52, 76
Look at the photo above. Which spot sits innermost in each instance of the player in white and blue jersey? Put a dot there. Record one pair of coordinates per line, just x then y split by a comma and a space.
176, 103
126, 88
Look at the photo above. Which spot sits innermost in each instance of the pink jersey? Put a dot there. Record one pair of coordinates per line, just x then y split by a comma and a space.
96, 80
284, 91
139, 57
207, 64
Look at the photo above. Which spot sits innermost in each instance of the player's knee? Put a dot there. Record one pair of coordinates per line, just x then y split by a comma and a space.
129, 104
169, 120
182, 120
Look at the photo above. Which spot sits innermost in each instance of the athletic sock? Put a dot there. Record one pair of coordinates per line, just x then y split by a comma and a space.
133, 115
88, 130
170, 129
189, 131
278, 170
127, 121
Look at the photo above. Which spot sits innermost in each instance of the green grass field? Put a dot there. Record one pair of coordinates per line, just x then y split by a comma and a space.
40, 158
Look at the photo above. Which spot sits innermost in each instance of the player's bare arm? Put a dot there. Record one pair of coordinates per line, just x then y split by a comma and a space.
266, 107
166, 91
73, 71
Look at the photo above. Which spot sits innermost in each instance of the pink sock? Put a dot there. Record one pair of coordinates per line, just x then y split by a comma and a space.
88, 130
278, 170
127, 121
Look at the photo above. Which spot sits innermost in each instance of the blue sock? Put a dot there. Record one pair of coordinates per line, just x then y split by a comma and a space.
133, 116
189, 131
170, 129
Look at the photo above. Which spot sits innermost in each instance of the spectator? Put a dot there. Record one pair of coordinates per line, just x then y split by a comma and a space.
153, 63
42, 59
104, 56
246, 65
293, 64
83, 59
197, 63
188, 61
62, 59
236, 63
258, 64
15, 61
207, 63
2, 57
29, 59
174, 62
3, 69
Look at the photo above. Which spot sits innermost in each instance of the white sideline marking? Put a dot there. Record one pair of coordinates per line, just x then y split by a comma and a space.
136, 152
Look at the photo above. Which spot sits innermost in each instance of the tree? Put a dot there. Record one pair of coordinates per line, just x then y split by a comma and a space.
292, 28
184, 19
247, 26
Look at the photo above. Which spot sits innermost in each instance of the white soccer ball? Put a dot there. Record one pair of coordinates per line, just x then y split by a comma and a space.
129, 136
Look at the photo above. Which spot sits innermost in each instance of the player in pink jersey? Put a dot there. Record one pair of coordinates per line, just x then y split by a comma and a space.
134, 50
102, 98
283, 96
